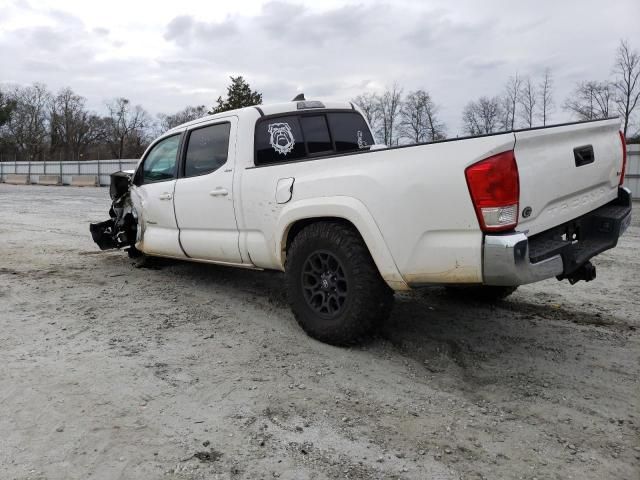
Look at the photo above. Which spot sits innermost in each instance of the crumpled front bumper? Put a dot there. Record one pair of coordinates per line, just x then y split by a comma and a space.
515, 259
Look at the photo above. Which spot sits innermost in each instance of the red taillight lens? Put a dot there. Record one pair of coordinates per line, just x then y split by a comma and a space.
495, 191
624, 157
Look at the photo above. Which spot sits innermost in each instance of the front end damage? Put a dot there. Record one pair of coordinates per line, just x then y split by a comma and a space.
121, 230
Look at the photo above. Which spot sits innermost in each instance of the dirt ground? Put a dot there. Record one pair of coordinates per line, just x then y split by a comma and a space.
190, 371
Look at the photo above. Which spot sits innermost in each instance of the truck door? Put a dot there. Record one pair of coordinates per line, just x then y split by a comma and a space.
204, 193
152, 196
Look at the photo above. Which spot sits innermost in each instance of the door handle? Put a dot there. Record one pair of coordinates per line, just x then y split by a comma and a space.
165, 196
219, 192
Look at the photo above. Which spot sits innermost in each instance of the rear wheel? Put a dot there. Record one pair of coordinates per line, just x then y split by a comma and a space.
481, 293
335, 290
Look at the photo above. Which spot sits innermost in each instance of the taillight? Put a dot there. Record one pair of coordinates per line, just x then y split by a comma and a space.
495, 191
624, 157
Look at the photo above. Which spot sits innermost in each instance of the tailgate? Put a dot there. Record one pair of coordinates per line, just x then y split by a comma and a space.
566, 171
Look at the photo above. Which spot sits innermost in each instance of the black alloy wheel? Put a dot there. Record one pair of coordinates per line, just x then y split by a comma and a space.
325, 284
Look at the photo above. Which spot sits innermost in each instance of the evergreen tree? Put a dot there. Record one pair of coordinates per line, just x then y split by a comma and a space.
239, 95
6, 107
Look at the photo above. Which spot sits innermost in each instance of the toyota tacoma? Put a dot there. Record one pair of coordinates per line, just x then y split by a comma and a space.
301, 187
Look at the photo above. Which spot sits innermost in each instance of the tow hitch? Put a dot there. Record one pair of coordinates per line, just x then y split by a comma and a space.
586, 272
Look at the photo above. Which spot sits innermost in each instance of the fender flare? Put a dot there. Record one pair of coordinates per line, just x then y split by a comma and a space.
347, 208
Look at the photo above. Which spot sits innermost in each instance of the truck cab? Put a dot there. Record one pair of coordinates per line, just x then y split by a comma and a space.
188, 187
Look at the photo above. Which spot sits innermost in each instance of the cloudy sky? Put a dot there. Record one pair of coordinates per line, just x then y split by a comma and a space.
166, 55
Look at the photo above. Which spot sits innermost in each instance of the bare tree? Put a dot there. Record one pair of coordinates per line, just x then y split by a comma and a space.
126, 126
510, 101
187, 114
369, 104
505, 112
27, 126
528, 100
73, 127
590, 100
604, 96
546, 96
482, 116
419, 121
389, 104
627, 82
138, 140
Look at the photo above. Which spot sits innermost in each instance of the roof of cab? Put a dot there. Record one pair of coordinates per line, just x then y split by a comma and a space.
271, 109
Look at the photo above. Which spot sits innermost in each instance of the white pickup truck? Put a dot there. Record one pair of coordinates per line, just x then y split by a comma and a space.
300, 187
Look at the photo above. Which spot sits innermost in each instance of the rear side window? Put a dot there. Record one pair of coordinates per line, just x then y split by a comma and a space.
316, 134
294, 137
350, 132
207, 149
279, 140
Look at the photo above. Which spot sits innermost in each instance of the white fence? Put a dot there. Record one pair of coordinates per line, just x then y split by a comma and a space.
99, 168
632, 178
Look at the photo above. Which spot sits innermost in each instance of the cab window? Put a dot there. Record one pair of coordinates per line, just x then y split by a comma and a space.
160, 163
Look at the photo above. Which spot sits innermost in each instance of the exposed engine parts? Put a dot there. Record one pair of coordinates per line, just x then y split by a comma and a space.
122, 228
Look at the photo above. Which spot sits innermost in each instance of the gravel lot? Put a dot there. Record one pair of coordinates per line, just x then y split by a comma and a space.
189, 371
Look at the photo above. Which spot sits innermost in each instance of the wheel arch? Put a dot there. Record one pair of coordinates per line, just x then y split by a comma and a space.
345, 210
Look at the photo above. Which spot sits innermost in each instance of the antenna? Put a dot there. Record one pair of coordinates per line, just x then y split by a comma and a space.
299, 98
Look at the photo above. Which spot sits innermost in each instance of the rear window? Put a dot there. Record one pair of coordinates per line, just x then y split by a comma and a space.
295, 137
279, 140
316, 134
350, 131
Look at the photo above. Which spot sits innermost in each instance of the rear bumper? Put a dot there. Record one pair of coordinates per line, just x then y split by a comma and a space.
515, 259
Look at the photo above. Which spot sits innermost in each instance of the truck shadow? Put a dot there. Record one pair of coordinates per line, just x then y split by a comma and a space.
468, 345
459, 342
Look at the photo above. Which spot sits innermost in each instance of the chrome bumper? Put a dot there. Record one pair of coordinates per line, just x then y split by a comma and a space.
506, 261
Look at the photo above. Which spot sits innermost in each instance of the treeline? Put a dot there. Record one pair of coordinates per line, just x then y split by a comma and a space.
524, 102
40, 125
527, 102
397, 119
36, 124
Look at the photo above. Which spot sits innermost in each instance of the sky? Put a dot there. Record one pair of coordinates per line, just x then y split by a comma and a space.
166, 55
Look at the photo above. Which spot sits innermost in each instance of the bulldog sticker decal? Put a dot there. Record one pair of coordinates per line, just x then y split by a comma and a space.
281, 137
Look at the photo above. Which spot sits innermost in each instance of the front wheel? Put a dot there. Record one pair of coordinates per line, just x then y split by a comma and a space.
335, 290
140, 259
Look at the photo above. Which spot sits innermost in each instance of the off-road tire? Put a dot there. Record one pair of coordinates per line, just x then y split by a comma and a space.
368, 299
481, 293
